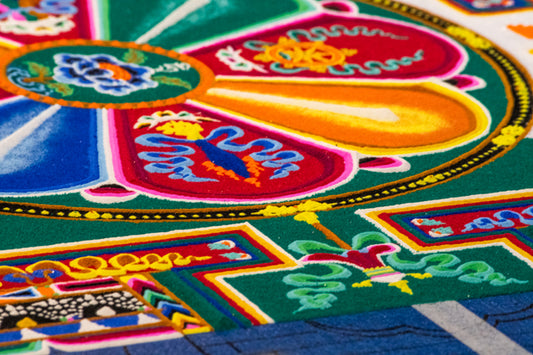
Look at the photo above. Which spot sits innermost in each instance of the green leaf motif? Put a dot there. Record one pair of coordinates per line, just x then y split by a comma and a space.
61, 88
172, 81
366, 239
307, 247
309, 301
316, 291
336, 272
134, 56
449, 265
37, 69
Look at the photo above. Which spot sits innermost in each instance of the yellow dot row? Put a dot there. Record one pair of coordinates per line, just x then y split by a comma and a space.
519, 84
427, 180
94, 215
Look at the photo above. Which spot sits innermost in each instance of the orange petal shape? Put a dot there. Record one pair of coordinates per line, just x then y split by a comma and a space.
526, 31
371, 117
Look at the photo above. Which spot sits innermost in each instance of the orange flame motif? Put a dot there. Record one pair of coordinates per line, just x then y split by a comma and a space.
526, 31
118, 72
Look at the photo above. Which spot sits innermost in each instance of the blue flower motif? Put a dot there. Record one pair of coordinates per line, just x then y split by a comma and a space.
47, 7
104, 73
58, 7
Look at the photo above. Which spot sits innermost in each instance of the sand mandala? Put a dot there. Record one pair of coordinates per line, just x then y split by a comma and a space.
184, 167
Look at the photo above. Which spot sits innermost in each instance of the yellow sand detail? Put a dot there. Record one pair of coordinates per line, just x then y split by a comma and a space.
419, 276
191, 131
366, 283
469, 37
26, 323
307, 217
403, 286
316, 56
508, 135
89, 267
307, 206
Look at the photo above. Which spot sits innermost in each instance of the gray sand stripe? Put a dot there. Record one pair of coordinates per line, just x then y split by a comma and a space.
469, 329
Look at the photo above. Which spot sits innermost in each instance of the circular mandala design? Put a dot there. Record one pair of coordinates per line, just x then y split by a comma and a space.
103, 74
126, 76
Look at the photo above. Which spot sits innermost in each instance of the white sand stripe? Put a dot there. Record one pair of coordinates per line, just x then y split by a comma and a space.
95, 14
469, 329
9, 100
15, 138
9, 43
108, 151
375, 114
180, 13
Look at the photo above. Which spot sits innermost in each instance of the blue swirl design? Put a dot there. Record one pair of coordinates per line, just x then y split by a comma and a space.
374, 67
58, 7
17, 76
322, 34
257, 45
503, 219
37, 274
371, 67
282, 160
277, 67
178, 165
173, 163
